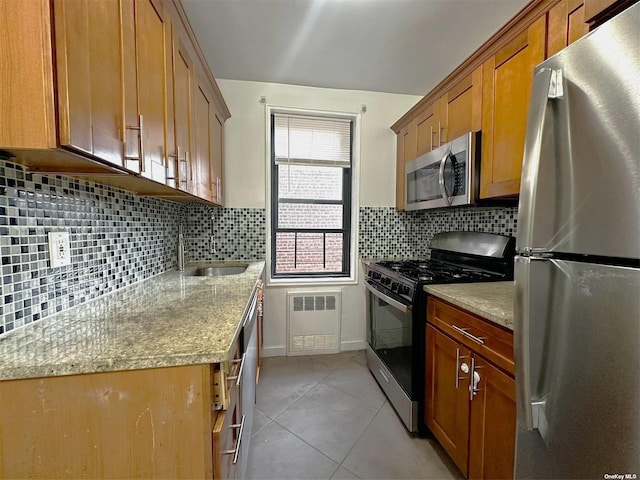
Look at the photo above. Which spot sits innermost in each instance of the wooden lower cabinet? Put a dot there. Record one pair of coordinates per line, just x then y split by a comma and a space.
153, 423
469, 403
493, 424
447, 405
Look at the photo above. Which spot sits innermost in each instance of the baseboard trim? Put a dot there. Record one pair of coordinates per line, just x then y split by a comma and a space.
353, 345
274, 351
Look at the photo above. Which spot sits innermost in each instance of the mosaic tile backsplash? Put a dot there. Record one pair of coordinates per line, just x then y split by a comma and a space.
385, 232
216, 234
116, 239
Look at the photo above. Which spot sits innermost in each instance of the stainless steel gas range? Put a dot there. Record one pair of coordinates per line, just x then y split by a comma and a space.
396, 309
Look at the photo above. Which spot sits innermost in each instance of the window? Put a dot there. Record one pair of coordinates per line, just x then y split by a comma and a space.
310, 196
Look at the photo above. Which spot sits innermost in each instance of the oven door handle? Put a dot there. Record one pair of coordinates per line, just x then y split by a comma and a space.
394, 303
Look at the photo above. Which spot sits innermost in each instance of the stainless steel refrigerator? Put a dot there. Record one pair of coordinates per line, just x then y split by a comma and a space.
577, 273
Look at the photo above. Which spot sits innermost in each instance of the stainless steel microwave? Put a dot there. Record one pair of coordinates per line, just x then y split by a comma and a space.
446, 176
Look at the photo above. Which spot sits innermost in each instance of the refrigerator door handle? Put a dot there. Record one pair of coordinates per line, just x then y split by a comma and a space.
521, 343
547, 84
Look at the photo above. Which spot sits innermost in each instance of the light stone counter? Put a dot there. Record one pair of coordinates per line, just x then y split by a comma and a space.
490, 300
167, 320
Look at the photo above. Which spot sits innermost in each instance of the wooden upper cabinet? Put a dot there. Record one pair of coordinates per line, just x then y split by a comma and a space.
447, 398
217, 156
595, 9
566, 25
428, 132
183, 71
405, 152
493, 424
506, 85
460, 109
151, 41
90, 63
208, 144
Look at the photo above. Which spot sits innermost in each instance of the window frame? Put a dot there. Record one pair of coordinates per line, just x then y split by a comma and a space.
350, 202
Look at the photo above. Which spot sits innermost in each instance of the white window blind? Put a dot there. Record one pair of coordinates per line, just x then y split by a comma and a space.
301, 140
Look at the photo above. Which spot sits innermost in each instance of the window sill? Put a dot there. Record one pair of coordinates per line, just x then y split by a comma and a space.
311, 282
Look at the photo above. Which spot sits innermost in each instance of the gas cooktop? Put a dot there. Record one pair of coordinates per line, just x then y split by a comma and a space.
432, 271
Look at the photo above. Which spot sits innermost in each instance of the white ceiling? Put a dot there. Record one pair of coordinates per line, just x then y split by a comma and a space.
395, 46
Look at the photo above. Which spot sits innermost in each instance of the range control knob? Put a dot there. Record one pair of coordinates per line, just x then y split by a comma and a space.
375, 275
403, 289
385, 280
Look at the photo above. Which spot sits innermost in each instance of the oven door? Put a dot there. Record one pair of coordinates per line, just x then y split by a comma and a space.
390, 350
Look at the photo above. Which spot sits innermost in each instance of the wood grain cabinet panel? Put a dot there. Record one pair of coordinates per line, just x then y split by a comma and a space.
461, 107
133, 424
469, 401
180, 168
507, 78
447, 399
152, 84
406, 151
566, 25
493, 424
90, 64
428, 133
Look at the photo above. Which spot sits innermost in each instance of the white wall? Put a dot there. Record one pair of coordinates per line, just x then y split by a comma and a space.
246, 163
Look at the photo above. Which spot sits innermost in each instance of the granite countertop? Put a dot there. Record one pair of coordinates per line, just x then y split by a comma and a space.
170, 319
490, 300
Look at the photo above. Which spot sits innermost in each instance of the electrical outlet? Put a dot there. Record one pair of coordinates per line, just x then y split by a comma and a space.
59, 249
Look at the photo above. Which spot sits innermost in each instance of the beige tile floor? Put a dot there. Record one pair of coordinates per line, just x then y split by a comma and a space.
325, 417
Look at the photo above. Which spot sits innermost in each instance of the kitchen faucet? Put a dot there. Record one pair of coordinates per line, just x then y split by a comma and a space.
180, 248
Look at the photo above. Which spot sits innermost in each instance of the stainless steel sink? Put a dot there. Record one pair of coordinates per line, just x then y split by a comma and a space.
215, 270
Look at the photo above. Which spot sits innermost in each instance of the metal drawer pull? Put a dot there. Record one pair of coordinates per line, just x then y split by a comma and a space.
238, 378
464, 332
236, 450
383, 375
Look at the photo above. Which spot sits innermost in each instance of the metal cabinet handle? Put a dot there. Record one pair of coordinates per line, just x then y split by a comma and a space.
439, 134
464, 332
460, 367
238, 377
140, 130
177, 169
473, 386
431, 137
236, 450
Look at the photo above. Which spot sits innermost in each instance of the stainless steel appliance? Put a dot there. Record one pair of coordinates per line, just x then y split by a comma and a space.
396, 309
446, 176
577, 275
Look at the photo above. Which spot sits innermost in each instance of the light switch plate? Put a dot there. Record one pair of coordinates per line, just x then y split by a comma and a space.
59, 249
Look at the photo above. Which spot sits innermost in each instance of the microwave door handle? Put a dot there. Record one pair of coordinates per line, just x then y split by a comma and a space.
443, 187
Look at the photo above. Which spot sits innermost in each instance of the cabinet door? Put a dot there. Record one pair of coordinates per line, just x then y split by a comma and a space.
566, 25
406, 151
595, 8
428, 134
461, 107
447, 395
152, 86
217, 156
506, 88
493, 423
89, 56
202, 108
182, 83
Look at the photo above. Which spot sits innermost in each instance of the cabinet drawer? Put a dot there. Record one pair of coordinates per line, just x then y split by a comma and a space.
224, 379
492, 342
226, 440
